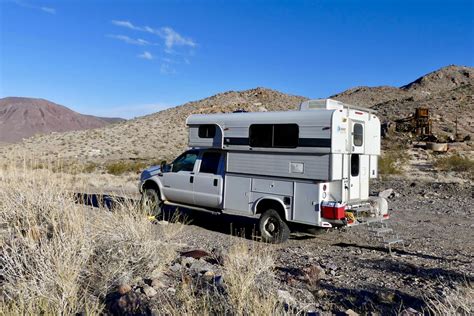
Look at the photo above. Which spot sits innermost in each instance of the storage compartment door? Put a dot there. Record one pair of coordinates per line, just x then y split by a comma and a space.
306, 203
237, 194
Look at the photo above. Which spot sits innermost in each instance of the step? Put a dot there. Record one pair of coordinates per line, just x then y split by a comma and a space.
392, 241
380, 231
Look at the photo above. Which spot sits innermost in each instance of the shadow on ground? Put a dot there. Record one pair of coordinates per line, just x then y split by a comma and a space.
398, 251
222, 223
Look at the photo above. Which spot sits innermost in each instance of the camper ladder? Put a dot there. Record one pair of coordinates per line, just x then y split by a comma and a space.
381, 231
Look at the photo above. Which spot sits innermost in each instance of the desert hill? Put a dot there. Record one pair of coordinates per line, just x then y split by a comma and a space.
448, 92
157, 136
24, 117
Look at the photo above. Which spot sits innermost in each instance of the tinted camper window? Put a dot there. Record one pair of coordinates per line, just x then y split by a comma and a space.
274, 135
354, 165
207, 131
358, 134
261, 135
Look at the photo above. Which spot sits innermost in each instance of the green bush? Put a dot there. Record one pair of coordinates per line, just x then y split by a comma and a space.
121, 167
89, 168
455, 163
392, 159
389, 165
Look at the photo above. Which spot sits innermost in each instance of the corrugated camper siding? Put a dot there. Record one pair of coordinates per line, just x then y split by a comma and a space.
315, 167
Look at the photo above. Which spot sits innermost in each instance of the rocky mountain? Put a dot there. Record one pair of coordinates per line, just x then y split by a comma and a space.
448, 92
24, 117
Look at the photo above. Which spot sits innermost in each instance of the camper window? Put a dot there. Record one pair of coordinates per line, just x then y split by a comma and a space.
354, 165
210, 162
207, 131
274, 135
358, 134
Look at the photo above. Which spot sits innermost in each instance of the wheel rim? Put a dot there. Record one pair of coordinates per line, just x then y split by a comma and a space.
271, 226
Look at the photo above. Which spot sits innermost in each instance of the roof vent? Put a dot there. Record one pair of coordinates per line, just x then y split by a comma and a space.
318, 104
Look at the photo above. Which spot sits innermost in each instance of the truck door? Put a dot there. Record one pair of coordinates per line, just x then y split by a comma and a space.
178, 183
208, 180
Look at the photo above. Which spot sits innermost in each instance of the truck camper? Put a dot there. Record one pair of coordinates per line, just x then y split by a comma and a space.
309, 167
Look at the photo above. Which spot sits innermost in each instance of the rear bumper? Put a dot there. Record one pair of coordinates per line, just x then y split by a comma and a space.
358, 221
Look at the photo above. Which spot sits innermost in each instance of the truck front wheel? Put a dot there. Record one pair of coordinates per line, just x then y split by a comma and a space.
273, 228
151, 202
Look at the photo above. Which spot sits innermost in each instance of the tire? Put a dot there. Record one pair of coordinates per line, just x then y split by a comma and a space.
151, 202
273, 228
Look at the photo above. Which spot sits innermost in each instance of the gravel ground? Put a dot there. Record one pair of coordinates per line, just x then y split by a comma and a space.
434, 220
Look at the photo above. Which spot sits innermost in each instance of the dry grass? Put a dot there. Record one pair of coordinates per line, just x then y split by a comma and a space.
247, 270
59, 257
247, 287
455, 301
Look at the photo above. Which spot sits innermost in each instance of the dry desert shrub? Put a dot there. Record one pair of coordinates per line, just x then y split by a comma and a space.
127, 247
392, 160
456, 163
45, 246
455, 301
247, 272
60, 257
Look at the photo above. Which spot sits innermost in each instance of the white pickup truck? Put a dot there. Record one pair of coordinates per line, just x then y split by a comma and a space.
309, 167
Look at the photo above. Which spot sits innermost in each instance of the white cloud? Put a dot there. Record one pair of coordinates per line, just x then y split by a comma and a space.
34, 7
129, 40
166, 69
170, 36
173, 38
126, 24
49, 10
146, 55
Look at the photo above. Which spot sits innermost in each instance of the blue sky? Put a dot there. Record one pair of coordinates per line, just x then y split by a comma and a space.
129, 58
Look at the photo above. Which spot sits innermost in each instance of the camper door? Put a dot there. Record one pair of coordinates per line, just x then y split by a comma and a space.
356, 159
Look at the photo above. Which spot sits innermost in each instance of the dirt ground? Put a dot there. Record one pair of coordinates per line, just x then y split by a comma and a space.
434, 220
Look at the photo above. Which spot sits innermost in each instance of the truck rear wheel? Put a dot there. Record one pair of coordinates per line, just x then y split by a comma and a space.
151, 202
273, 228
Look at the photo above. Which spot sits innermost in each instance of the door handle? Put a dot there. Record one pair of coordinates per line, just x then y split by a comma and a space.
191, 179
215, 182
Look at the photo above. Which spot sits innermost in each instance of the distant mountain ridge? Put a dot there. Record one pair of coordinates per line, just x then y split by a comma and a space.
24, 117
447, 92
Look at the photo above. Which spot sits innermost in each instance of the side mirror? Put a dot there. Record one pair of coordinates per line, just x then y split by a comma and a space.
163, 165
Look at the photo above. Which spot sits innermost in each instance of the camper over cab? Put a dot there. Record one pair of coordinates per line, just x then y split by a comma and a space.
292, 169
